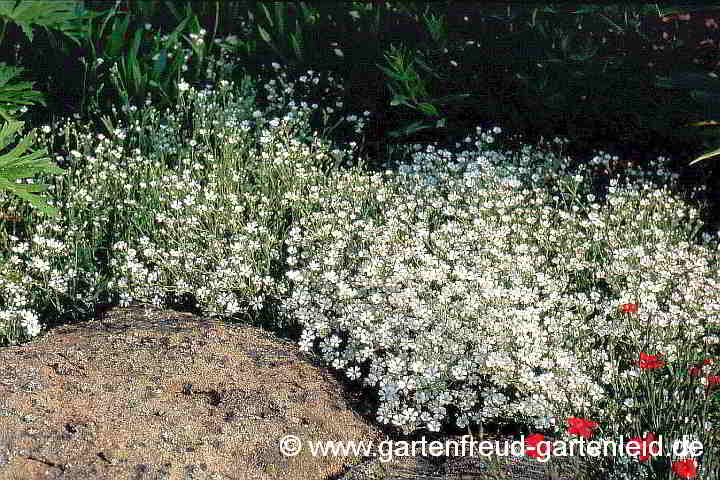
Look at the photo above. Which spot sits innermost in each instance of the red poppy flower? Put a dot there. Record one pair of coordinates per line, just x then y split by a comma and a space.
581, 427
641, 448
534, 446
685, 468
629, 308
713, 382
650, 361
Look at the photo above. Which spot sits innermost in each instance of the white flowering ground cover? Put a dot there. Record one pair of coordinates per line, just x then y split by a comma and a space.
460, 287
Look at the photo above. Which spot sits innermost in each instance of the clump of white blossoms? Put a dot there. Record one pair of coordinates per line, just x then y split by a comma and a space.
175, 213
459, 283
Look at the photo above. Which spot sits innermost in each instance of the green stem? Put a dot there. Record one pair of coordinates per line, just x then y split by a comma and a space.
2, 31
217, 19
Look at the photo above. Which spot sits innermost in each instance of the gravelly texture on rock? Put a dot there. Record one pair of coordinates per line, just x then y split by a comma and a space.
147, 394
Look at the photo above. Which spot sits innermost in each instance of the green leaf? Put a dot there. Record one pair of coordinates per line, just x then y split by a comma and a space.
689, 81
280, 17
264, 35
22, 187
160, 64
705, 156
64, 16
309, 14
296, 45
410, 129
400, 77
135, 46
15, 165
15, 94
428, 109
399, 100
450, 99
267, 15
116, 40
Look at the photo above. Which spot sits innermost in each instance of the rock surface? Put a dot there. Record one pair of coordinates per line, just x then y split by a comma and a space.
149, 394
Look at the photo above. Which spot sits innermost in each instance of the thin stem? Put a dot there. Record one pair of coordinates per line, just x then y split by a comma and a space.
2, 31
217, 19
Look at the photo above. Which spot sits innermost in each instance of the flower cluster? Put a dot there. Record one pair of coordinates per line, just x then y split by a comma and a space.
187, 205
459, 277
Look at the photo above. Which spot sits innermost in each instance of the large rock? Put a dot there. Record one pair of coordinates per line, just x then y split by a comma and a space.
147, 394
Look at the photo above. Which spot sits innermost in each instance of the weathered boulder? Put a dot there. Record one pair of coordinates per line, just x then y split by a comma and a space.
149, 394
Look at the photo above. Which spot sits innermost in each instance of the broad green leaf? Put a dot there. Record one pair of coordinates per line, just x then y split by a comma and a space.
15, 165
7, 133
34, 200
23, 187
15, 94
64, 16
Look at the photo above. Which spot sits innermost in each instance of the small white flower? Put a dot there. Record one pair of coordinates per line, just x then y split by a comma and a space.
183, 86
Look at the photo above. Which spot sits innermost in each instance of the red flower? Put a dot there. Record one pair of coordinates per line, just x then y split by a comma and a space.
697, 369
641, 448
685, 468
533, 447
629, 308
650, 361
713, 382
581, 427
